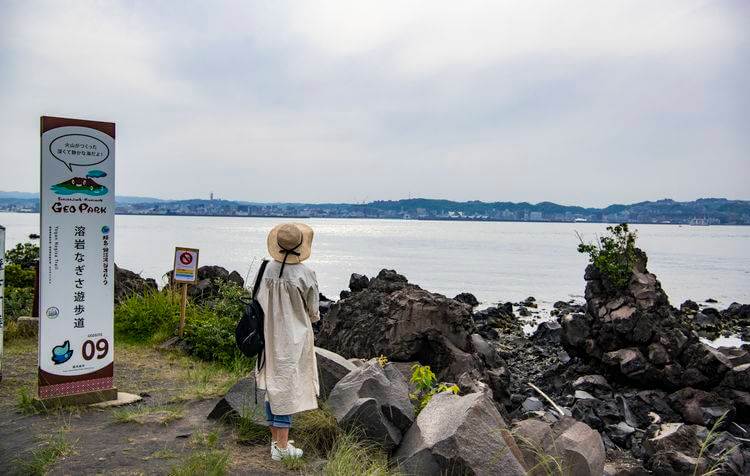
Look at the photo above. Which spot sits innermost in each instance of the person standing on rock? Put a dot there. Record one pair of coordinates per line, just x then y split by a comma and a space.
289, 297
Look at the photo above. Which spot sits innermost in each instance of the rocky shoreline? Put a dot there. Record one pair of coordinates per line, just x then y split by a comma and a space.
623, 384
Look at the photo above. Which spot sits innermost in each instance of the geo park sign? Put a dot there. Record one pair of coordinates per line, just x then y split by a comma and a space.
76, 266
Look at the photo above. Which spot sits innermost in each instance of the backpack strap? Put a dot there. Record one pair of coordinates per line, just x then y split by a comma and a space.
262, 270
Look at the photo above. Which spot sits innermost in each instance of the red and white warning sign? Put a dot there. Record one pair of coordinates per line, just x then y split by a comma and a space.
185, 265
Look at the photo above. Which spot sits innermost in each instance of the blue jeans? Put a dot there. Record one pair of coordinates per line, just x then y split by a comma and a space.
277, 421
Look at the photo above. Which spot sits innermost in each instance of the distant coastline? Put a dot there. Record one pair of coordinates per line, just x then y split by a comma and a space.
701, 212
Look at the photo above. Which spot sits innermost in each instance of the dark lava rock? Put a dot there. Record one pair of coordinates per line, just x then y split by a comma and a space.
579, 447
459, 435
467, 298
374, 400
711, 301
358, 282
406, 323
549, 332
701, 408
240, 402
234, 277
689, 307
499, 319
128, 283
331, 368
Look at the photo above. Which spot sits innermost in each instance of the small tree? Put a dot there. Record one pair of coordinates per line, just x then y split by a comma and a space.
613, 255
25, 255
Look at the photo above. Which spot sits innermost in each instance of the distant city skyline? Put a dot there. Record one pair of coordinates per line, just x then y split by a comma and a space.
573, 102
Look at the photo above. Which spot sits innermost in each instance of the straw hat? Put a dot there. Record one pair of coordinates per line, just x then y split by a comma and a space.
290, 242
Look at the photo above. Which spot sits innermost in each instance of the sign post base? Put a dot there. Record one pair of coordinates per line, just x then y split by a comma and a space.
79, 398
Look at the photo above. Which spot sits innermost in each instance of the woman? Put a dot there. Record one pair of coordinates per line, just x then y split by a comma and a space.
288, 294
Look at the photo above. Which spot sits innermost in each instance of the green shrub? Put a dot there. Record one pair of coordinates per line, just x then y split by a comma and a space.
613, 255
18, 302
18, 277
140, 317
25, 255
209, 328
424, 379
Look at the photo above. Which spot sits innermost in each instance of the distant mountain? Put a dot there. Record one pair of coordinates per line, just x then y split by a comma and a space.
124, 199
120, 199
704, 211
21, 195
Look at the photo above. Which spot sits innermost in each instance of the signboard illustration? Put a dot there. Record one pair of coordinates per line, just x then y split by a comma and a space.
185, 265
76, 280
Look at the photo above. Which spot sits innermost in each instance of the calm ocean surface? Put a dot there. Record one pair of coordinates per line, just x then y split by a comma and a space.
495, 261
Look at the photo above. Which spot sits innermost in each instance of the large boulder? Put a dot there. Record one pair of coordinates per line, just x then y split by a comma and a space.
459, 435
575, 444
331, 368
374, 400
642, 338
128, 283
243, 400
405, 323
699, 407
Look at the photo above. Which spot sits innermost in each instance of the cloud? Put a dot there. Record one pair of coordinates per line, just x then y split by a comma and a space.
589, 102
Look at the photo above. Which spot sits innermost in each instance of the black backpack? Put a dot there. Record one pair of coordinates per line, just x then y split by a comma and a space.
249, 332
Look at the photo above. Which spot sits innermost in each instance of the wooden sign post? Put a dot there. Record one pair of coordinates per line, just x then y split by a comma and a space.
185, 272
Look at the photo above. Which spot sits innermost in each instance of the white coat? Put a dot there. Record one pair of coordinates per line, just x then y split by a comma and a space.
290, 305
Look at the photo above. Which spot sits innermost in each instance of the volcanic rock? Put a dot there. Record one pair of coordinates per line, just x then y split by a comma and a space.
405, 323
240, 402
374, 400
548, 332
467, 298
331, 368
459, 435
128, 283
358, 282
580, 447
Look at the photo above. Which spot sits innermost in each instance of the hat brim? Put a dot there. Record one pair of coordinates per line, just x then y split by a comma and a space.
304, 250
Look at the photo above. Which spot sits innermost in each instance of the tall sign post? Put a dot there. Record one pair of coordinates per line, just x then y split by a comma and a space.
2, 295
185, 272
76, 268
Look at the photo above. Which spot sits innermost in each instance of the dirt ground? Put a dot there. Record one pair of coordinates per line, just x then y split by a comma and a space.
167, 433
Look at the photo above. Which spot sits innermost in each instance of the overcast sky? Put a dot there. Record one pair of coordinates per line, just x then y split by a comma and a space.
578, 102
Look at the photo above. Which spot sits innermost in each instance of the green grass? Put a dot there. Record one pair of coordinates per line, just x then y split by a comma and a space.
42, 458
250, 433
316, 431
706, 446
206, 460
26, 403
545, 462
143, 414
350, 455
205, 463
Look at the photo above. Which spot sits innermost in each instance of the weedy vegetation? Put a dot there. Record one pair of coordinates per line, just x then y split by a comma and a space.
613, 255
426, 383
41, 459
708, 444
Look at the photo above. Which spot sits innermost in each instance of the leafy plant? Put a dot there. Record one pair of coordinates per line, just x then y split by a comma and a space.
17, 276
18, 302
613, 255
424, 379
25, 255
382, 360
139, 317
